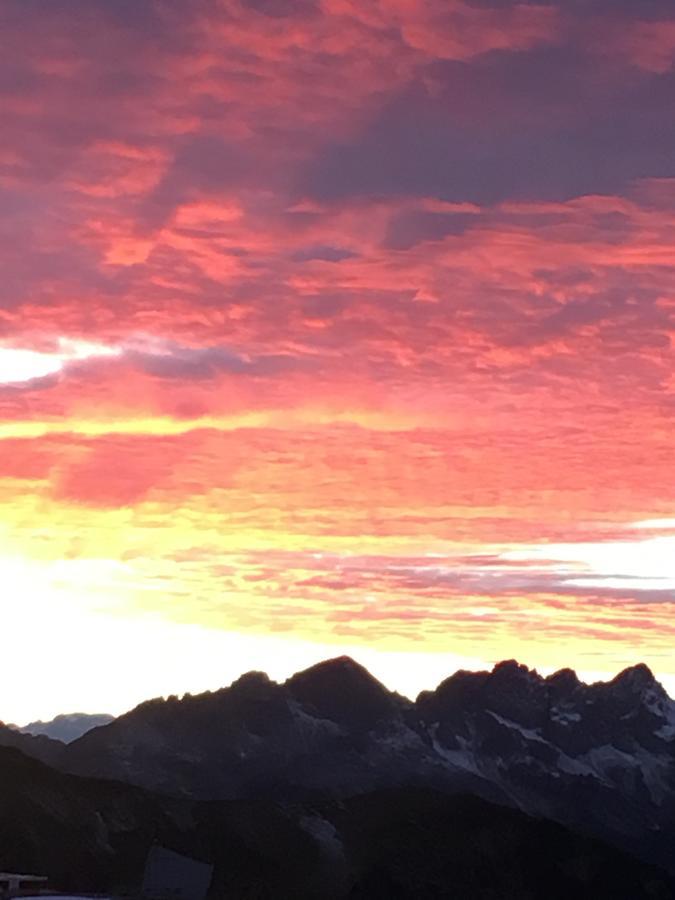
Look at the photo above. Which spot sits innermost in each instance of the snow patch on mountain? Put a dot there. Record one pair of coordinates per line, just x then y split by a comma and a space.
462, 758
529, 733
325, 834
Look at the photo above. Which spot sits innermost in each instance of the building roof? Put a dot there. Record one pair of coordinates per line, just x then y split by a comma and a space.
14, 876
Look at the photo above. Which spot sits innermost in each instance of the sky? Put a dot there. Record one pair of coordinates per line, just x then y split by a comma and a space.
330, 326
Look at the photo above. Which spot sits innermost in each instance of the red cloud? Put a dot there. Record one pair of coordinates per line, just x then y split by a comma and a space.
383, 279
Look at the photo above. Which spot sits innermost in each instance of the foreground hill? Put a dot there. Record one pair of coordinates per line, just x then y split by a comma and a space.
600, 758
85, 834
93, 835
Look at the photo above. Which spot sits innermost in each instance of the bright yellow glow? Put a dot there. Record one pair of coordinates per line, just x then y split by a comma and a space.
121, 623
93, 659
165, 425
67, 641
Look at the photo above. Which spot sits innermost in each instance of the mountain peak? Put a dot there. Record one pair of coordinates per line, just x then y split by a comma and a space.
512, 670
563, 682
636, 678
344, 662
339, 667
342, 690
563, 676
251, 680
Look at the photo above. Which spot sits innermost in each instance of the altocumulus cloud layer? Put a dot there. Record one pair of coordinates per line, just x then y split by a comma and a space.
344, 322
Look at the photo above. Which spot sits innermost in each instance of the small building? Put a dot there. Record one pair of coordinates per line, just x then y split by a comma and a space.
13, 885
170, 876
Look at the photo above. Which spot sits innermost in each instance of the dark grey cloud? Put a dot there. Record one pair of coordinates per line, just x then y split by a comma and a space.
634, 9
410, 228
25, 222
323, 253
176, 361
145, 16
283, 9
534, 125
474, 574
210, 163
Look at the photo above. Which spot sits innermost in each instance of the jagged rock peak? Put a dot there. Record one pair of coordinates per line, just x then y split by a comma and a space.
251, 680
563, 681
512, 669
636, 679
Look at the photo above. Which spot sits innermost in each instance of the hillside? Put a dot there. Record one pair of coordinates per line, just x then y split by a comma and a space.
93, 835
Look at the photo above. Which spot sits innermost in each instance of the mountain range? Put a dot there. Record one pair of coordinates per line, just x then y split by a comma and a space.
68, 727
598, 759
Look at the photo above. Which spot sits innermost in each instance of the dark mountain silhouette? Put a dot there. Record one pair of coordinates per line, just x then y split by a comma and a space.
94, 835
342, 691
599, 758
331, 729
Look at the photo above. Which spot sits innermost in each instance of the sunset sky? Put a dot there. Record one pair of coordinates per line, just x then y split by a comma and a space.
333, 326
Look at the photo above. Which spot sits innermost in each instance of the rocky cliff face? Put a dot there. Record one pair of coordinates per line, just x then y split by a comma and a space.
600, 757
